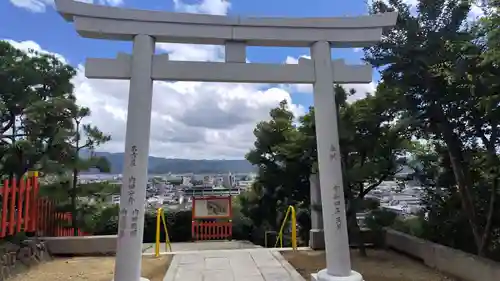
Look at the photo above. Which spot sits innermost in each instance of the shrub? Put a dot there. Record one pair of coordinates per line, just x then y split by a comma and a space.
178, 225
242, 226
413, 226
304, 225
378, 219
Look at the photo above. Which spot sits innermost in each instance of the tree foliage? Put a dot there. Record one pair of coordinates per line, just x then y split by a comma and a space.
437, 104
371, 149
84, 136
36, 102
41, 126
283, 177
434, 60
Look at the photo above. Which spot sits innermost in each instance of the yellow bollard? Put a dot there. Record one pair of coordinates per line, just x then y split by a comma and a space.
157, 245
291, 210
294, 228
160, 216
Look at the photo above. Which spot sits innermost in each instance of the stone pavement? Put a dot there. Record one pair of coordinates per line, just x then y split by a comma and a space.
231, 265
201, 245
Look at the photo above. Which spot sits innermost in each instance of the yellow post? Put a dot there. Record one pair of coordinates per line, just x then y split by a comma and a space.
293, 219
157, 244
294, 228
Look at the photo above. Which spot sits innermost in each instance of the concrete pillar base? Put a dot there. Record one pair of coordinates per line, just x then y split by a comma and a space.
316, 239
322, 275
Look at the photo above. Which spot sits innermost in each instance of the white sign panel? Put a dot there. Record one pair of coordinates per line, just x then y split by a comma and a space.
212, 208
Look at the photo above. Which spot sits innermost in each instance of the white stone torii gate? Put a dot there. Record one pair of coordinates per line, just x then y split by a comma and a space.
145, 28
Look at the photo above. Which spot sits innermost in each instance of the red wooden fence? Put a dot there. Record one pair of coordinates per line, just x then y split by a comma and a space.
31, 213
51, 223
23, 215
66, 231
211, 230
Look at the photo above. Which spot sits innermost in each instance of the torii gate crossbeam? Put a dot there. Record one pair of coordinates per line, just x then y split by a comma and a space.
145, 28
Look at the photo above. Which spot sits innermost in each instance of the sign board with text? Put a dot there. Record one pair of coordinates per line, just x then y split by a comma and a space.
212, 207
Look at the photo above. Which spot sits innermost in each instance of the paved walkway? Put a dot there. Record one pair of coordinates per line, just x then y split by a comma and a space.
201, 245
231, 265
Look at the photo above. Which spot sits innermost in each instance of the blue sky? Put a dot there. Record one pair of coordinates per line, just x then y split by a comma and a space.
50, 30
35, 24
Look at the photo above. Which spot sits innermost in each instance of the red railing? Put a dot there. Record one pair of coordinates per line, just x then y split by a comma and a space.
23, 215
66, 231
52, 223
23, 211
211, 230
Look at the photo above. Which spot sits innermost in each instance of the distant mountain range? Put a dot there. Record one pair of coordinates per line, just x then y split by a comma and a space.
159, 165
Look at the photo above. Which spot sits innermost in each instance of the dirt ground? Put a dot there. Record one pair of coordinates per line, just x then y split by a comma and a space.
380, 265
90, 269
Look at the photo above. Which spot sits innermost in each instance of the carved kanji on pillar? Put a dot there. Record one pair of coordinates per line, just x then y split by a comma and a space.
333, 153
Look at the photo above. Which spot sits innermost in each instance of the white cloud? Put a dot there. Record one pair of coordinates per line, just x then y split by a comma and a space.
213, 7
40, 6
192, 52
189, 119
36, 6
361, 89
28, 46
292, 60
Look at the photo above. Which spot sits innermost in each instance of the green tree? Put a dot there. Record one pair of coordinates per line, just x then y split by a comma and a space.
84, 137
36, 102
81, 139
434, 61
40, 123
444, 223
93, 208
490, 28
372, 147
282, 177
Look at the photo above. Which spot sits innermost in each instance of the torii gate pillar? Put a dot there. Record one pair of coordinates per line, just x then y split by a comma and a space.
338, 259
